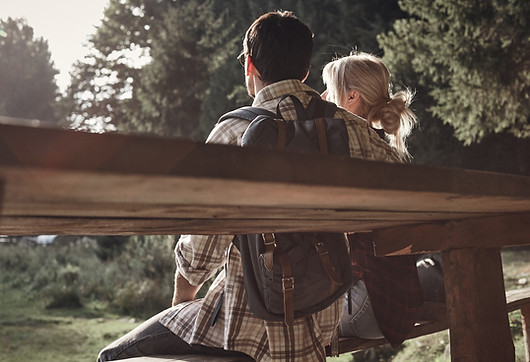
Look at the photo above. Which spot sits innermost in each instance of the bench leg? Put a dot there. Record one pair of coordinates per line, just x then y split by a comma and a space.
476, 305
525, 318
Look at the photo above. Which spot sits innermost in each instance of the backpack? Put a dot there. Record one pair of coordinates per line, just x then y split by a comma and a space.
292, 275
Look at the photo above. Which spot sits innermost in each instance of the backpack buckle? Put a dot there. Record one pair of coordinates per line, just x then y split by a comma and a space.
269, 239
321, 248
288, 283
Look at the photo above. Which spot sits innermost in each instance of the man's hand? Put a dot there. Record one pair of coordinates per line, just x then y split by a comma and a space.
184, 291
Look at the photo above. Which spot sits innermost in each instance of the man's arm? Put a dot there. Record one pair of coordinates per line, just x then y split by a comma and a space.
184, 291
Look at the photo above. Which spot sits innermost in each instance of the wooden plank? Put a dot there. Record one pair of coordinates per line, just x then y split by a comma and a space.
65, 174
12, 225
479, 330
491, 231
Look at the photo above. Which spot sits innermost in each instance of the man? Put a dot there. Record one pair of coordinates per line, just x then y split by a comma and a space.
276, 55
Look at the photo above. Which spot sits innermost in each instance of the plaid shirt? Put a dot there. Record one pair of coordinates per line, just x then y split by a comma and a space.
392, 284
199, 257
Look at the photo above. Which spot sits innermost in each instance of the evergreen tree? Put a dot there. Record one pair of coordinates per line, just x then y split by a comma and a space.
186, 50
191, 75
473, 59
340, 26
27, 84
102, 92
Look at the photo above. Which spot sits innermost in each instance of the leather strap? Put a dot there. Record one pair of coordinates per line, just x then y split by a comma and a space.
321, 135
270, 245
287, 289
326, 262
282, 134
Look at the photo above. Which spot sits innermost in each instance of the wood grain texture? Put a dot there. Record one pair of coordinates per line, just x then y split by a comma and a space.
61, 177
478, 318
486, 232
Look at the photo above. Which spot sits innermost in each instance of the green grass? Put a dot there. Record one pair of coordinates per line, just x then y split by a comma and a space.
30, 332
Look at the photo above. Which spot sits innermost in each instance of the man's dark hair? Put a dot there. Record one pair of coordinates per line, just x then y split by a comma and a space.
280, 46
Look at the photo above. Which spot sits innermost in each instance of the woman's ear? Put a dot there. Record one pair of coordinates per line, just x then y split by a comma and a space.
353, 97
354, 103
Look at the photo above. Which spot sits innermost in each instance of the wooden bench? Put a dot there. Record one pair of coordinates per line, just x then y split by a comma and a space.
72, 183
433, 319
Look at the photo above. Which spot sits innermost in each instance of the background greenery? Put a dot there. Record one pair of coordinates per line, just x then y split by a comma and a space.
168, 67
67, 300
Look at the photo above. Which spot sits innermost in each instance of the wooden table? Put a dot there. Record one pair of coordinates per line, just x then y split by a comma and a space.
65, 182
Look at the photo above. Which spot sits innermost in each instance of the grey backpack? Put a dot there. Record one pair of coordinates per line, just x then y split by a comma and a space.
291, 275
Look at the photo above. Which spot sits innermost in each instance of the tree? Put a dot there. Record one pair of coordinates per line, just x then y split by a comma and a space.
27, 75
102, 95
162, 93
339, 27
473, 59
190, 75
188, 47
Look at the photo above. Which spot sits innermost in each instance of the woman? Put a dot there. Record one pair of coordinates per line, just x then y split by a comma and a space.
386, 299
360, 83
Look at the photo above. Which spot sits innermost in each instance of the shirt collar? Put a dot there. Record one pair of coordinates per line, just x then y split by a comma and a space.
278, 89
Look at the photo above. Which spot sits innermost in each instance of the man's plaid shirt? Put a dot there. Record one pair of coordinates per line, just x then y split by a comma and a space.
199, 257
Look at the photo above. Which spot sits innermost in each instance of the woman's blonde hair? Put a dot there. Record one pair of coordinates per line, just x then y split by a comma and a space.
368, 75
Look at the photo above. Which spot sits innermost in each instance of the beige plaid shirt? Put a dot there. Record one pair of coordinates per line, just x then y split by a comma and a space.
199, 257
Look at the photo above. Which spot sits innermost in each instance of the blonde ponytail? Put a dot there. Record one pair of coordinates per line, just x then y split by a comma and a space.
369, 76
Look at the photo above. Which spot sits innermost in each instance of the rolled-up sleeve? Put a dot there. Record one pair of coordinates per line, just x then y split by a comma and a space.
198, 257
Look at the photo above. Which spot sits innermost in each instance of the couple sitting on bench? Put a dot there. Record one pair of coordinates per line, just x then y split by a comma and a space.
386, 297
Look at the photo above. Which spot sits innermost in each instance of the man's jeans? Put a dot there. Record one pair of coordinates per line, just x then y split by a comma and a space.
362, 322
152, 338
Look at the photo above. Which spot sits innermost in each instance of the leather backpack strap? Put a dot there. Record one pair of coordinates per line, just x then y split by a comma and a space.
270, 245
321, 135
287, 289
326, 261
282, 134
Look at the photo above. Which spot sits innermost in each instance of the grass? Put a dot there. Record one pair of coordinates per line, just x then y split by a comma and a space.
30, 332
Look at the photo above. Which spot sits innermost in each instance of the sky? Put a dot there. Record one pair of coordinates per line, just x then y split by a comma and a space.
66, 24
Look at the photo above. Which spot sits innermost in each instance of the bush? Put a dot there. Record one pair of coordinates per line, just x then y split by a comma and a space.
135, 276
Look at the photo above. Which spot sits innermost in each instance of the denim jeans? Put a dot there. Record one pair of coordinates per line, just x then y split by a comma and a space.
361, 322
152, 338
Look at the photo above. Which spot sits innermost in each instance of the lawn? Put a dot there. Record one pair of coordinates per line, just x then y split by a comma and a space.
30, 332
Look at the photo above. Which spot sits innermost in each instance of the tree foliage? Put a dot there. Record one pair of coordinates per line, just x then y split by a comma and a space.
190, 75
473, 59
27, 75
188, 46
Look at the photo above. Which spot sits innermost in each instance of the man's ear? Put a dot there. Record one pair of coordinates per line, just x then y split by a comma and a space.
307, 75
250, 68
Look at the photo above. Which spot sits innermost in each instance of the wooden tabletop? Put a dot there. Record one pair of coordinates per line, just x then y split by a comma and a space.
65, 182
